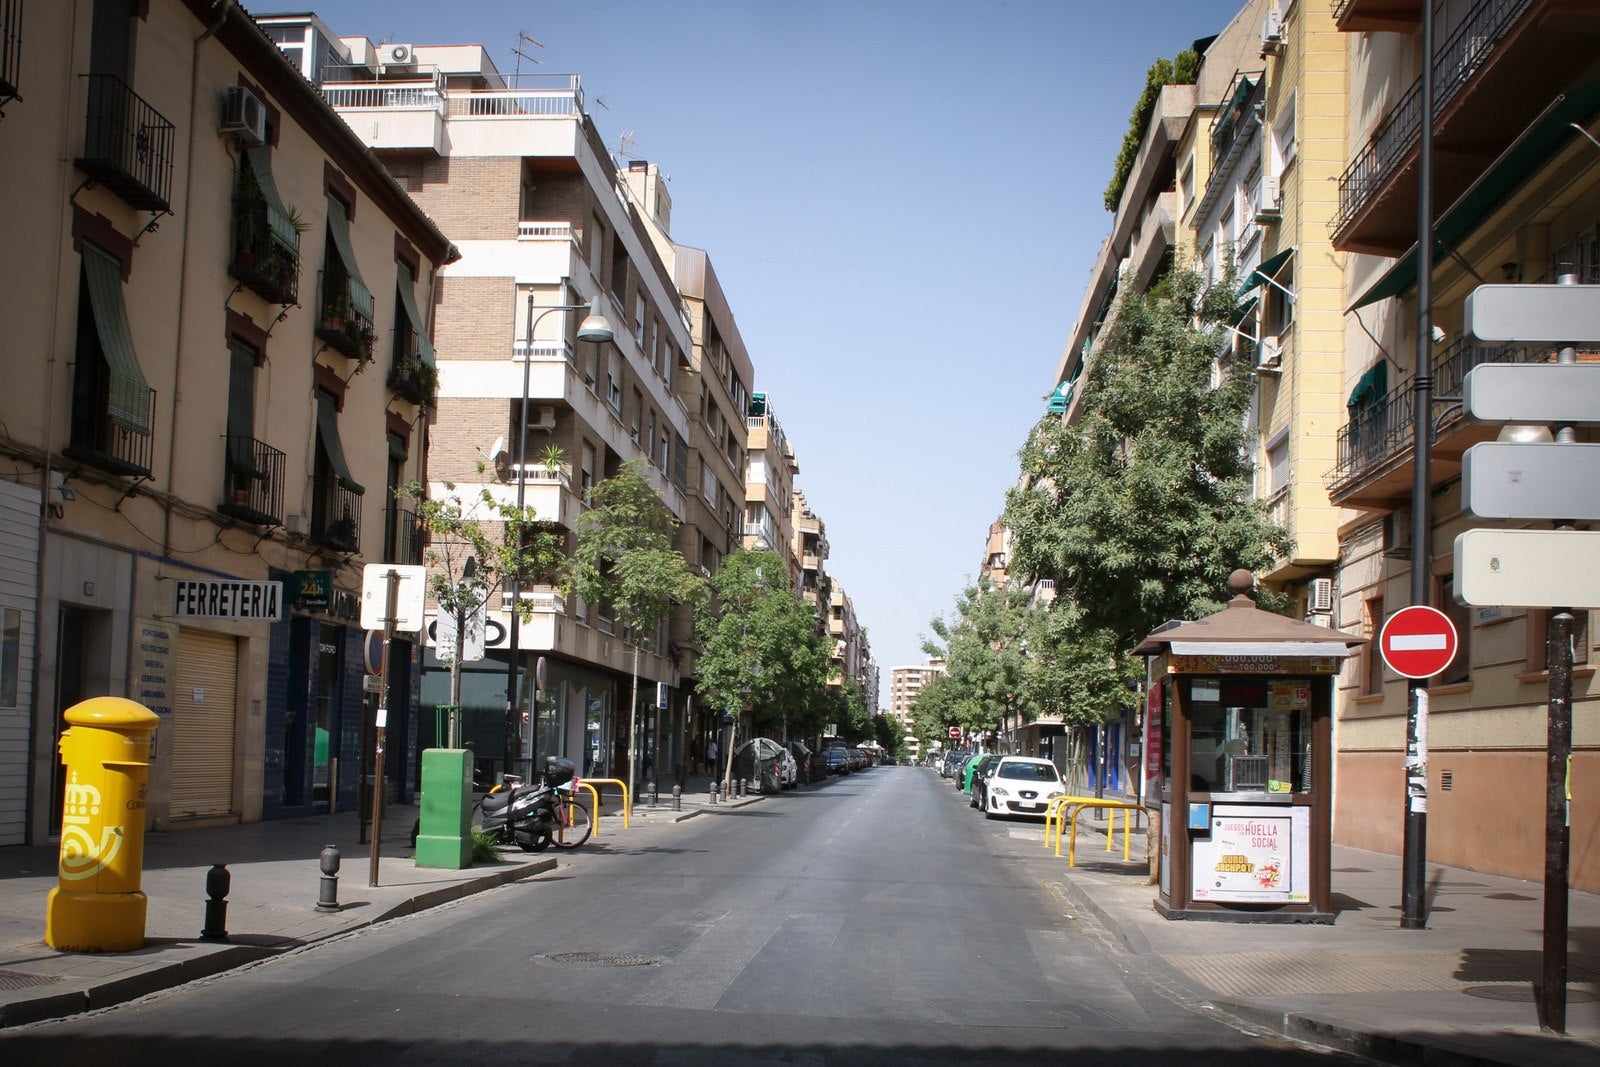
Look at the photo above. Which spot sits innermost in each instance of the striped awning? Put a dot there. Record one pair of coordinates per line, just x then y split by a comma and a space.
129, 403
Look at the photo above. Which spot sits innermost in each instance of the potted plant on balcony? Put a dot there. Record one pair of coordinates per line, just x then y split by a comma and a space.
249, 216
552, 460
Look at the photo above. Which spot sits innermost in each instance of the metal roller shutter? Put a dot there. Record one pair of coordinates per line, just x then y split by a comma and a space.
202, 724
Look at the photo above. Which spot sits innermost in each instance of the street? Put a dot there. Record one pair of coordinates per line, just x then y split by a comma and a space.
873, 920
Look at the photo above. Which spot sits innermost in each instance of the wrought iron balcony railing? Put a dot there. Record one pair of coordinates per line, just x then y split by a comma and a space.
252, 483
345, 321
407, 536
338, 523
10, 48
266, 252
103, 441
128, 145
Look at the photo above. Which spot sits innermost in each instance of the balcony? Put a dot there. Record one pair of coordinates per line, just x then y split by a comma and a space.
10, 48
102, 440
415, 376
1369, 16
406, 537
1493, 76
128, 145
1374, 447
266, 250
401, 115
337, 524
252, 482
345, 322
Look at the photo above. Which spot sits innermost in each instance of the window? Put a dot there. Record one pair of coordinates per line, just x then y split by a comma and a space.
1283, 148
1372, 655
587, 470
638, 317
10, 655
1277, 296
242, 467
1460, 669
1538, 645
112, 404
1186, 188
1278, 464
336, 496
345, 321
614, 381
619, 270
1241, 743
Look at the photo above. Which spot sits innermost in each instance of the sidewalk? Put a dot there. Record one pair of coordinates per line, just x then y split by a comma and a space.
275, 879
1459, 992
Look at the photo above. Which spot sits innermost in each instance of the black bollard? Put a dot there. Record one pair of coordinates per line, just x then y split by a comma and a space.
328, 893
218, 881
677, 798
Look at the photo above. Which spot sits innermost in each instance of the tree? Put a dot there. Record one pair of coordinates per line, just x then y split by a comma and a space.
760, 645
1139, 511
985, 655
467, 563
625, 562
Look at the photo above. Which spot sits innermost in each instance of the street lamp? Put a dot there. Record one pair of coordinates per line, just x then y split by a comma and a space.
596, 328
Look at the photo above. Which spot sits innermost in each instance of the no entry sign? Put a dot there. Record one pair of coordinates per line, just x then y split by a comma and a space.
1418, 642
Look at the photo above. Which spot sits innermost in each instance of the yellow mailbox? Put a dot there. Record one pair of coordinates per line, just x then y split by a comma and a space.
97, 905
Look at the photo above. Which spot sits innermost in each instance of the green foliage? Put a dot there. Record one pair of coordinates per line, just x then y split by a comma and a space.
760, 645
483, 848
1181, 70
625, 557
1141, 509
886, 731
985, 655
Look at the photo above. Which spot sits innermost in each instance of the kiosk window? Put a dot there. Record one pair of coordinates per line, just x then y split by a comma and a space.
1250, 735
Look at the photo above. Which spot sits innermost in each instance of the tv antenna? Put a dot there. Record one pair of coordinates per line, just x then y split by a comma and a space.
625, 142
524, 39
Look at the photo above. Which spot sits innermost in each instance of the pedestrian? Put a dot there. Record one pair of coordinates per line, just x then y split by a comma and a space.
711, 757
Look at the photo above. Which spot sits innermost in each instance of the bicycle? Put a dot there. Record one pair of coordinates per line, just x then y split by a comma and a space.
574, 820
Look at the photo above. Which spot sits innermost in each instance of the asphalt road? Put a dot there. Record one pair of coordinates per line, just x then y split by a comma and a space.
874, 920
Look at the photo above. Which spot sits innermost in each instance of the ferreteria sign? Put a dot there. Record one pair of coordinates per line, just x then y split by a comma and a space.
210, 598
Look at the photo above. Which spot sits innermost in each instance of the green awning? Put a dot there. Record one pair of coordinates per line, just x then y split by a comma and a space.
1541, 140
129, 402
328, 436
1243, 310
1266, 272
408, 300
260, 161
1371, 386
339, 230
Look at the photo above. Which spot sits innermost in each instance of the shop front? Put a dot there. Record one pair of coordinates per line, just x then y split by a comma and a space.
1238, 747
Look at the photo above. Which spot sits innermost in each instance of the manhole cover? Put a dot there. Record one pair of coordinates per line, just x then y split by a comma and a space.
1509, 896
20, 980
602, 959
1523, 994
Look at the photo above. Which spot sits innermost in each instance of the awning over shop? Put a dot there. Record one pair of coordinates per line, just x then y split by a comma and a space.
129, 402
1260, 648
1541, 140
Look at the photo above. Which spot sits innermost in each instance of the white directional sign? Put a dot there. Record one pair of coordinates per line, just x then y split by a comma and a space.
473, 640
1533, 392
1532, 480
1528, 568
1533, 314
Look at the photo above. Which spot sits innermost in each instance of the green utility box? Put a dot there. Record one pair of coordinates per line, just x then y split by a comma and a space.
444, 837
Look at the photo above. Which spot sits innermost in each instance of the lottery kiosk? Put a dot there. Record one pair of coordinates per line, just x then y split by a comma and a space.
1239, 752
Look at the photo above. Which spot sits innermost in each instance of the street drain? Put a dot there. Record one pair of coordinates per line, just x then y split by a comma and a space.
20, 980
602, 959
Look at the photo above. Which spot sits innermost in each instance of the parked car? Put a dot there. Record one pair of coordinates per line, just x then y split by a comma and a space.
1021, 785
958, 772
803, 759
948, 762
974, 769
788, 769
834, 761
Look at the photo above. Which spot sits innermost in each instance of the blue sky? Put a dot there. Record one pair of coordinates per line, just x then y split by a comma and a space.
902, 200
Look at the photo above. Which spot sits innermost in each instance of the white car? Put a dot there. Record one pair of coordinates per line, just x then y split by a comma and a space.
1022, 785
788, 769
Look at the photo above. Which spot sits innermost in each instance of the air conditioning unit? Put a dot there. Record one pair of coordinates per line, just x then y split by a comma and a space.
1320, 597
542, 417
397, 55
244, 116
1269, 354
1272, 32
298, 525
1269, 200
1397, 534
1320, 618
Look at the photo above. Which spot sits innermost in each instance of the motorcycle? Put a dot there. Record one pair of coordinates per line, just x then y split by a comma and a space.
526, 814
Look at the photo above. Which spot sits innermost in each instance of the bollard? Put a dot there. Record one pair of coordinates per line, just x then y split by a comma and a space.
716, 787
655, 794
218, 880
740, 788
677, 798
328, 893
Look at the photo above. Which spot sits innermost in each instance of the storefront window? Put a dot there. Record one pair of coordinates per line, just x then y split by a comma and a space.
1250, 735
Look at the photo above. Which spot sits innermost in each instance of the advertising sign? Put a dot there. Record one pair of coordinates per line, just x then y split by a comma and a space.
1254, 855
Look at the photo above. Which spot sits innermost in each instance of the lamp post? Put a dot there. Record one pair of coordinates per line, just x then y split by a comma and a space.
594, 328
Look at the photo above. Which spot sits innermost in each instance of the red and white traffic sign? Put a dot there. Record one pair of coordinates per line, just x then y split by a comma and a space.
1418, 642
955, 732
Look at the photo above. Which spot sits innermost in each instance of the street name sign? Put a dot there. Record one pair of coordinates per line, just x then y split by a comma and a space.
1533, 392
1528, 568
1531, 480
1533, 314
1418, 642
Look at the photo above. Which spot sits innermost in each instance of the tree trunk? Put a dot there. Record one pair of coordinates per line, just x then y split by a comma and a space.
633, 722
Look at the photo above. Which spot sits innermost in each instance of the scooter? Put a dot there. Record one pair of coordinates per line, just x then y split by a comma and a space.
523, 814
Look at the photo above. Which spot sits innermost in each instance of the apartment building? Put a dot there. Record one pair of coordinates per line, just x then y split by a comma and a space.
1516, 100
1269, 146
515, 171
811, 547
906, 684
217, 305
847, 656
996, 555
770, 471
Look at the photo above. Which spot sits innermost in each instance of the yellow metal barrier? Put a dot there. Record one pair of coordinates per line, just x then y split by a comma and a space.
627, 801
1063, 809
